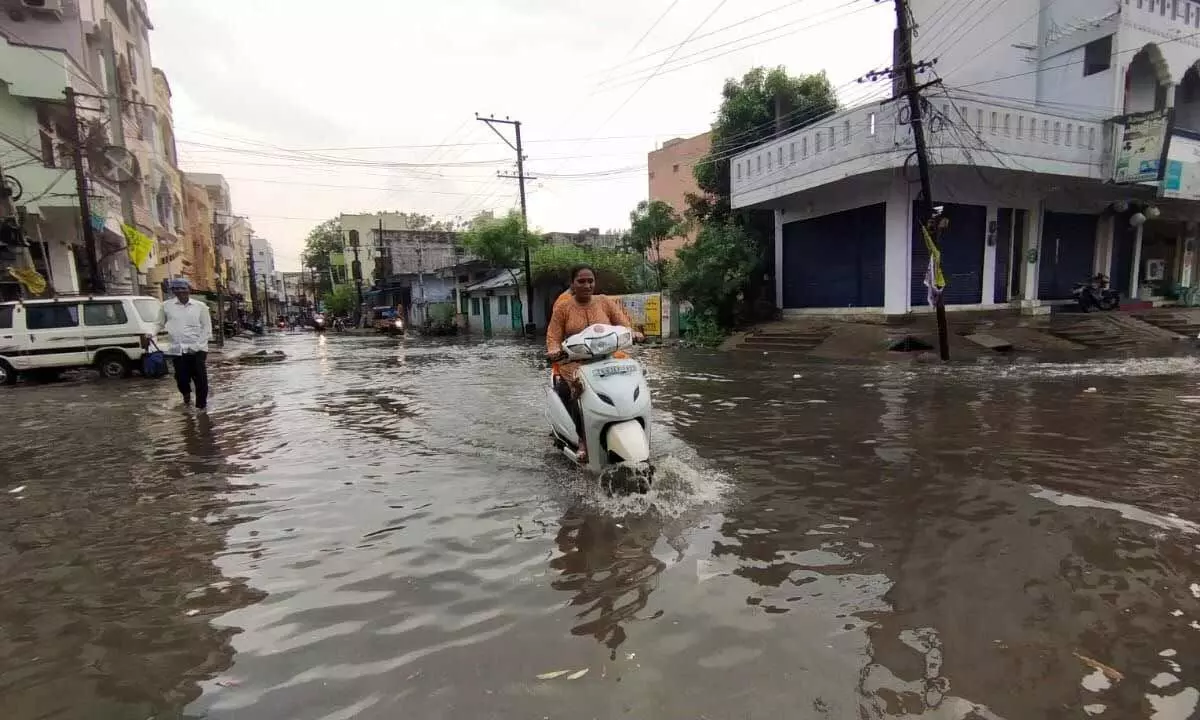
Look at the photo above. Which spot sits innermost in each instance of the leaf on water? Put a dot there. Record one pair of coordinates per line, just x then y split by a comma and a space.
552, 675
1109, 672
577, 675
14, 491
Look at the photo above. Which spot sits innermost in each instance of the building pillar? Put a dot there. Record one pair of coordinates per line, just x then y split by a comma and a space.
990, 230
1030, 256
1102, 262
779, 259
897, 251
1135, 273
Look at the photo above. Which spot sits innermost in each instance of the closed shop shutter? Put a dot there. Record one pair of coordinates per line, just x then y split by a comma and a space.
835, 260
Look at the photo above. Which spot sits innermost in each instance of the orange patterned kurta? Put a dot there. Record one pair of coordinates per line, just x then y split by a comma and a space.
570, 317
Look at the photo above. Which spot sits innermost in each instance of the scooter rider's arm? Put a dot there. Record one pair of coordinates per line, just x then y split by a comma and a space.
617, 315
556, 330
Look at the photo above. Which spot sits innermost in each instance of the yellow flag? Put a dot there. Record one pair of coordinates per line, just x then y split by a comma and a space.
30, 279
139, 245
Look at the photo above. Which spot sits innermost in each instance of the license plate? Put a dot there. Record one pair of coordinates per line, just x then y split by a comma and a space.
614, 370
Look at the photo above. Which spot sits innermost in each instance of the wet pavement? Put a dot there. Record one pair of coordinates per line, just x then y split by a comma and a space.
380, 529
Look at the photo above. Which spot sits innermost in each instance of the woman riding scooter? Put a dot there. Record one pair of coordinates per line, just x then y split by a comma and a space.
571, 316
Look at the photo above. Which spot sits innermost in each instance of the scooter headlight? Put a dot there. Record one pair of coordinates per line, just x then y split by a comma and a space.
603, 345
399, 324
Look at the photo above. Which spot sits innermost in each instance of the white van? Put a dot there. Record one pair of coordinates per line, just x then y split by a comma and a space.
41, 338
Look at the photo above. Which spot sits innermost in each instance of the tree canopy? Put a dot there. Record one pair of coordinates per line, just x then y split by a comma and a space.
651, 223
322, 241
501, 243
341, 301
747, 116
616, 272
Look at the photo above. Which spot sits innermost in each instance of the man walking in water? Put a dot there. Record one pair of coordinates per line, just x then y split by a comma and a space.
189, 329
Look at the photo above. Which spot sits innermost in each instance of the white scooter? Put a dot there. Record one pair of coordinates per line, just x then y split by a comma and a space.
615, 406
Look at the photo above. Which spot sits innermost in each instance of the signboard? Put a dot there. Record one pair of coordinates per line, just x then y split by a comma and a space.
645, 310
1182, 176
1139, 156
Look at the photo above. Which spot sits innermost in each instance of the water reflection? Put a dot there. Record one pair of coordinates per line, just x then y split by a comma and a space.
107, 582
609, 567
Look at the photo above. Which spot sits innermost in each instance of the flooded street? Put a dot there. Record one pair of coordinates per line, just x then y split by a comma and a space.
380, 529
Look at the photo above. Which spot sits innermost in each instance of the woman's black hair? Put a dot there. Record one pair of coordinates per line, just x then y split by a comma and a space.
580, 268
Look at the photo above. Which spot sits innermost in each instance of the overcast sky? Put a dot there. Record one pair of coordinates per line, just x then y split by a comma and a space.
314, 107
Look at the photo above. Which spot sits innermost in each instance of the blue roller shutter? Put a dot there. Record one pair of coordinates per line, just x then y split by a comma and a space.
962, 255
835, 260
1067, 253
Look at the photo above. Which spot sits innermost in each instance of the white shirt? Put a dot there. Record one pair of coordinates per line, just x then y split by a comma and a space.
188, 326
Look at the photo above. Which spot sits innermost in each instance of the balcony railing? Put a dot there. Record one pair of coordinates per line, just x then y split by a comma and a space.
1163, 14
963, 129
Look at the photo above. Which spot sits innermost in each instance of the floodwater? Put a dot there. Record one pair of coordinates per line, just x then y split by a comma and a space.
379, 529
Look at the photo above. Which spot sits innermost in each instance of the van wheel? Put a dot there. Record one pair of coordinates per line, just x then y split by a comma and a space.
113, 365
8, 376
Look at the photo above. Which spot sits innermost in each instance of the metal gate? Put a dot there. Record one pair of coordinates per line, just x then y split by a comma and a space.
962, 255
835, 260
1067, 254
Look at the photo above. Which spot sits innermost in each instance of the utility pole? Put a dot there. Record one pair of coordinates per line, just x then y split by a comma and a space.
909, 71
520, 177
117, 117
356, 271
423, 316
95, 279
253, 281
219, 282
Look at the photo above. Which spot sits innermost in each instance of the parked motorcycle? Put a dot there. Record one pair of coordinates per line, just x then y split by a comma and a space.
1096, 294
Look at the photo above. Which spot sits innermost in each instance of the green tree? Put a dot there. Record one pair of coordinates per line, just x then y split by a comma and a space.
716, 275
750, 110
341, 301
322, 241
711, 272
652, 222
616, 272
501, 243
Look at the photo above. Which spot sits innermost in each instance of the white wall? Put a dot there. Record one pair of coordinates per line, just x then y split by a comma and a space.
968, 59
1060, 81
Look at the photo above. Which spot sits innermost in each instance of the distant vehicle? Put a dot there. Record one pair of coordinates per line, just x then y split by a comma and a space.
1095, 294
387, 320
42, 338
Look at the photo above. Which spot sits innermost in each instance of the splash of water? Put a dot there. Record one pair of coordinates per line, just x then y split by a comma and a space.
681, 485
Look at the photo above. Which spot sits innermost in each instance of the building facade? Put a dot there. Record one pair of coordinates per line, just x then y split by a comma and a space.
42, 53
1059, 148
198, 219
671, 178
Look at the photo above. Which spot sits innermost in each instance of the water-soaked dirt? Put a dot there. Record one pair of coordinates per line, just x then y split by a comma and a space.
380, 529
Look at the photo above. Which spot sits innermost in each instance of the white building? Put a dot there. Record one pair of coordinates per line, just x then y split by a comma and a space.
266, 288
1047, 139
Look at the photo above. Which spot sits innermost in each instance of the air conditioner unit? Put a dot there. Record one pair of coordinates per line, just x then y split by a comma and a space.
49, 7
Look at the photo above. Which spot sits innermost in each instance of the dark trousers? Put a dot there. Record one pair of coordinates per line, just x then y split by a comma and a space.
190, 368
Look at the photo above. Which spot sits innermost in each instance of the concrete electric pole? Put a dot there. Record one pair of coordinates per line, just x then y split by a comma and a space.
356, 272
908, 70
520, 177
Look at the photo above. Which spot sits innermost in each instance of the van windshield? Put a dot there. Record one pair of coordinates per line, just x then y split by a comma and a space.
148, 309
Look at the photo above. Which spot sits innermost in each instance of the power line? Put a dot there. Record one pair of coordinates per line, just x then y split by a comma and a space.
720, 4
755, 40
